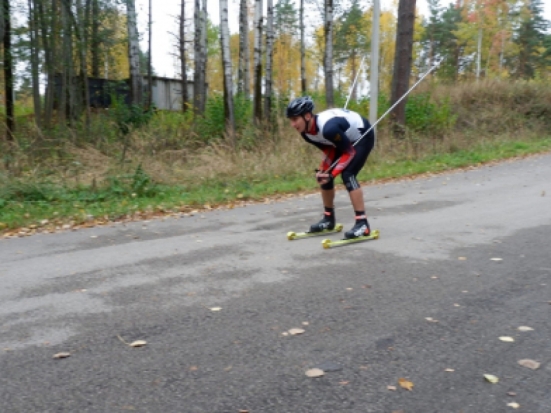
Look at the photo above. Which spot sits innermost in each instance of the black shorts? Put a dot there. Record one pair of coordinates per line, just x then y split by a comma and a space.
363, 149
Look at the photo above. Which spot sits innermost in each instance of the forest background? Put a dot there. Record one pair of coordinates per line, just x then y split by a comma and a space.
66, 163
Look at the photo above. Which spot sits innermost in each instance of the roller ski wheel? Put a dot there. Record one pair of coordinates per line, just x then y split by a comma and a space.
327, 243
308, 234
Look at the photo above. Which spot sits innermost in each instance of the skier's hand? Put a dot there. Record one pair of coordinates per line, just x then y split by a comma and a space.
323, 178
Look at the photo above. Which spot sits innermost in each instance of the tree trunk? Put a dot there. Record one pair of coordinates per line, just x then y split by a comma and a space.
80, 27
328, 57
258, 61
204, 53
269, 60
8, 72
200, 51
66, 57
33, 37
49, 45
149, 64
134, 54
95, 40
227, 66
302, 51
183, 61
244, 78
402, 63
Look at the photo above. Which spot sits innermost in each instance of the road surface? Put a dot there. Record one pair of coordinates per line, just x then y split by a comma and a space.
464, 258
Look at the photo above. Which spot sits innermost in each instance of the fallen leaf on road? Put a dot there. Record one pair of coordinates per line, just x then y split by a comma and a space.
305, 323
137, 343
63, 355
514, 405
405, 384
507, 339
531, 364
295, 331
449, 370
511, 393
462, 258
216, 309
343, 382
430, 319
391, 388
315, 373
496, 259
525, 328
491, 378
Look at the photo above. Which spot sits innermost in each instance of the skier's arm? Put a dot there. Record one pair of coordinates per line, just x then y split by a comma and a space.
335, 131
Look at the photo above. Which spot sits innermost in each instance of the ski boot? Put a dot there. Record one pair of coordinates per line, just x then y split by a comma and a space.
360, 229
326, 224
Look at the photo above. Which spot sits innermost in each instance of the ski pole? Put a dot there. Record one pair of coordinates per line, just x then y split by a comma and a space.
354, 83
387, 112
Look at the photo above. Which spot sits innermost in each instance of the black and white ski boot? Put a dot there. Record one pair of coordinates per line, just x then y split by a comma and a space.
360, 229
326, 224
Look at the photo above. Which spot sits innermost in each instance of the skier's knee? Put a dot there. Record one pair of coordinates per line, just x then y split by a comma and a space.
350, 182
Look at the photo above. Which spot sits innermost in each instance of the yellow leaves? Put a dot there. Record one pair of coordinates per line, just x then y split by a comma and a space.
507, 339
513, 405
491, 378
405, 384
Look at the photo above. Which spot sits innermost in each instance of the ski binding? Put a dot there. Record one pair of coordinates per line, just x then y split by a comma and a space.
299, 235
327, 243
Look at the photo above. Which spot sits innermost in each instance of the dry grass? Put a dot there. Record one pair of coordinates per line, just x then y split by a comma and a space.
486, 111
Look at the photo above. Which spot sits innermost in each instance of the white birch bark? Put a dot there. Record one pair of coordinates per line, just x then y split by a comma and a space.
302, 50
258, 60
227, 68
269, 59
183, 58
244, 77
133, 53
328, 58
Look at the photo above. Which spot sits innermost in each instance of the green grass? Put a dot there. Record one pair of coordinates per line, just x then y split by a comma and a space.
28, 204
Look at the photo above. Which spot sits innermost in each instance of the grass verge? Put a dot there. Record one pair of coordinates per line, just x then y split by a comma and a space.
30, 207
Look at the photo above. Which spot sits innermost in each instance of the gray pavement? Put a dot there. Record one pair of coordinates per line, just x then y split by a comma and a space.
464, 258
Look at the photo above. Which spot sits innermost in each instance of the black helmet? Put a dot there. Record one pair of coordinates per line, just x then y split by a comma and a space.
300, 106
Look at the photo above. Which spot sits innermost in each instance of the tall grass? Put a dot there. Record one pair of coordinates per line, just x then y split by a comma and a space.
174, 161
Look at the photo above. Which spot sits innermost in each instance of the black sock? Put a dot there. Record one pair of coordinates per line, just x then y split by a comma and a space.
360, 216
329, 213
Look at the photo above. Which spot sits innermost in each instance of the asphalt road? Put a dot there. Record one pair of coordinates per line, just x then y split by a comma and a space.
464, 258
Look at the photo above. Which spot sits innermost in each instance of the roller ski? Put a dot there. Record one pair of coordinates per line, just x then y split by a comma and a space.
325, 226
360, 232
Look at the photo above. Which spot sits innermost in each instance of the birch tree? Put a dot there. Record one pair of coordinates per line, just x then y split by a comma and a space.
244, 74
302, 50
149, 63
402, 62
134, 53
328, 56
34, 52
257, 104
200, 57
183, 58
269, 59
8, 70
227, 68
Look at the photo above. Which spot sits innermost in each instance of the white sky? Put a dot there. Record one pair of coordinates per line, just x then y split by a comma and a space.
165, 22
